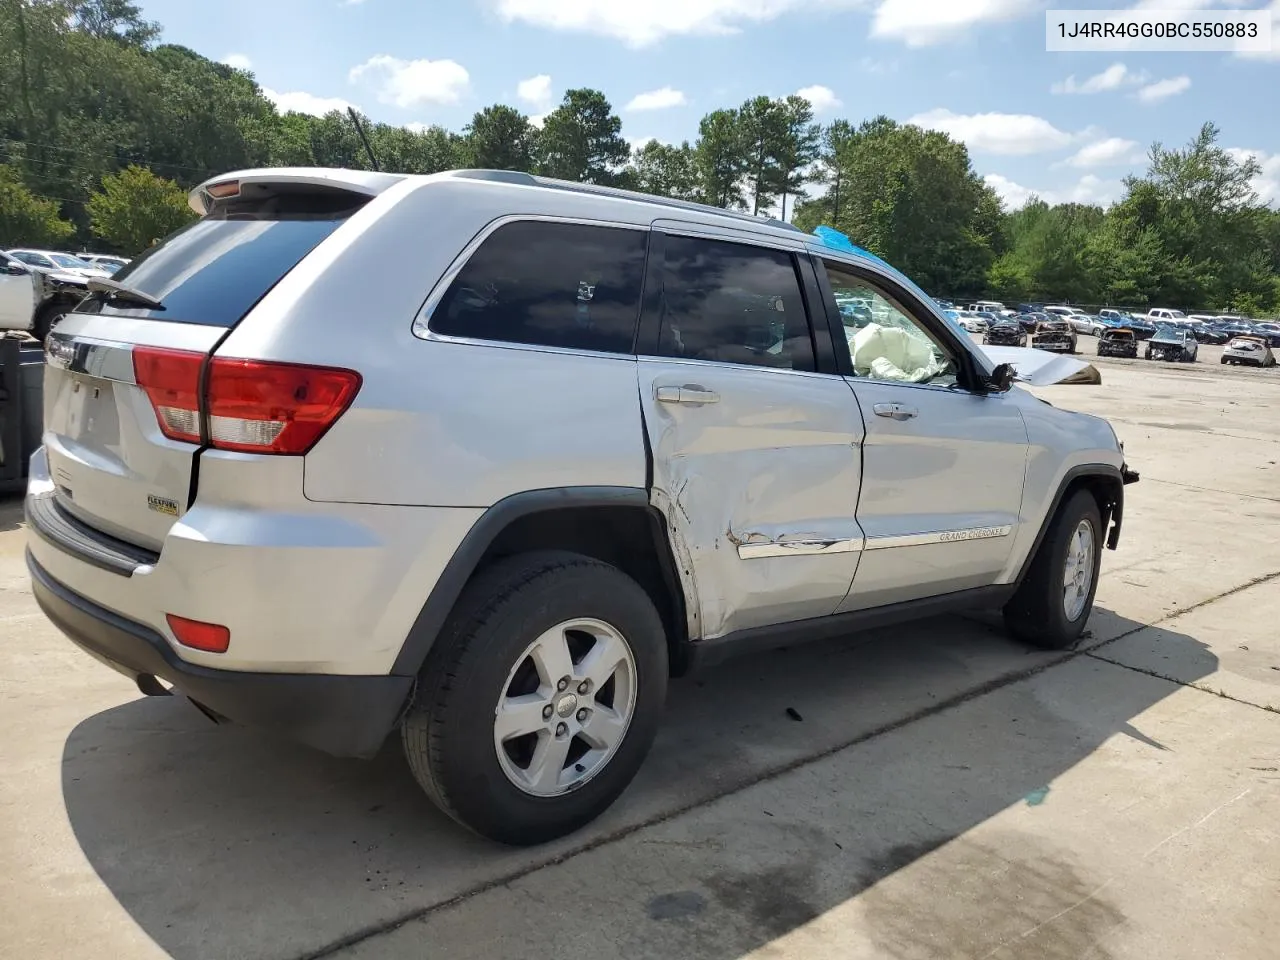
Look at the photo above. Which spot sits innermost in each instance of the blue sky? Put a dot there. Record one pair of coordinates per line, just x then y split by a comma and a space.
1067, 126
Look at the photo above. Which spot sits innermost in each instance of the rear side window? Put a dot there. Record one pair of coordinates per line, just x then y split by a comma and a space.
733, 303
564, 285
215, 270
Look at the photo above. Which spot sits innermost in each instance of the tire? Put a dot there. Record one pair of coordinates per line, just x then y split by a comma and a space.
1224, 361
1038, 613
449, 733
48, 316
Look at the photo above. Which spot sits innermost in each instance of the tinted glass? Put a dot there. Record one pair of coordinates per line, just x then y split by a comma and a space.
885, 342
34, 259
553, 284
215, 270
733, 303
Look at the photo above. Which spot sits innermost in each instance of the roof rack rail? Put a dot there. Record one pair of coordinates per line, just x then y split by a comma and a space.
530, 180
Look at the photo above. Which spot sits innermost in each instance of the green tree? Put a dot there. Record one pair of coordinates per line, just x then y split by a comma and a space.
115, 20
762, 126
582, 140
28, 220
499, 138
797, 148
830, 172
666, 171
135, 207
720, 160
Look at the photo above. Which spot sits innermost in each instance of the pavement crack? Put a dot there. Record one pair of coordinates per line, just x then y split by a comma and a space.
1226, 493
1191, 684
765, 776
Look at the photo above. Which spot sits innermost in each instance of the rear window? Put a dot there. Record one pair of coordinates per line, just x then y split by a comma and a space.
567, 285
215, 270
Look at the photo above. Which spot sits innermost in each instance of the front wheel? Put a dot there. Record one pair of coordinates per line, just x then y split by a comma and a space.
48, 317
540, 698
1053, 601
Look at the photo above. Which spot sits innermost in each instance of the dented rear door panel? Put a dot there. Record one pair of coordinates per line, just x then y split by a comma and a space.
759, 487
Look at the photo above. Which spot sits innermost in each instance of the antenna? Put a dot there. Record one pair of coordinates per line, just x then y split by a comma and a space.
355, 119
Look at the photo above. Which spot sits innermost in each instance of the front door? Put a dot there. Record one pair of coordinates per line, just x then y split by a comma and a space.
942, 466
755, 454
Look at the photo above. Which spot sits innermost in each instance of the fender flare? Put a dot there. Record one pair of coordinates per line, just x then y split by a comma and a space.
1119, 476
466, 558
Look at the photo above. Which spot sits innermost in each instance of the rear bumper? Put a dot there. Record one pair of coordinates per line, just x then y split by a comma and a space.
347, 716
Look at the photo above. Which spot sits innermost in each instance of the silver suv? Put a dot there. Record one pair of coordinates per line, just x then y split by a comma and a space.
488, 458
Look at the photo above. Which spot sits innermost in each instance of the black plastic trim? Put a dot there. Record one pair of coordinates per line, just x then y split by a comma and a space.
1103, 470
707, 653
347, 716
824, 348
466, 558
56, 526
649, 330
835, 325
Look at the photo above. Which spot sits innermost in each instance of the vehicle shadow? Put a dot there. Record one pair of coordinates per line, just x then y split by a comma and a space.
11, 517
219, 842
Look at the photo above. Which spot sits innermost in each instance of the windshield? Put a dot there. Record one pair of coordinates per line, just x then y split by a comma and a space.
1168, 332
66, 260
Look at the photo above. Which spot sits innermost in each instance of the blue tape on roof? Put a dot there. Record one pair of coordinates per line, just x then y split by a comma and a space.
833, 238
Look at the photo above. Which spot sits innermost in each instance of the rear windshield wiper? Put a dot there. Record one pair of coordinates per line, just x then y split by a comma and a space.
118, 291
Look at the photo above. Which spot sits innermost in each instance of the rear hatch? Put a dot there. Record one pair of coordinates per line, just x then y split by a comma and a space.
126, 373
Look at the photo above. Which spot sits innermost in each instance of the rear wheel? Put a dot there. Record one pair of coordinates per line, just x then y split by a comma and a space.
540, 698
1053, 601
48, 316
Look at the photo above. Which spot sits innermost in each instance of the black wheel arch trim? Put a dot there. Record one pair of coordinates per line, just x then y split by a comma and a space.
1120, 476
466, 558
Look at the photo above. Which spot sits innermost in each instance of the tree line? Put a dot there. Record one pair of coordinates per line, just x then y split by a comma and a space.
103, 129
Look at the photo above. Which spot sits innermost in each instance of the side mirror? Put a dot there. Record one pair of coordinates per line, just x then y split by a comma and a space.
1002, 377
15, 269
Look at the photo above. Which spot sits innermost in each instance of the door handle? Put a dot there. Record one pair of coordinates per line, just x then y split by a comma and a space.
686, 394
895, 411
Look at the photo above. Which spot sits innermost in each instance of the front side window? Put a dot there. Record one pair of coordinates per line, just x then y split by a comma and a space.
567, 285
733, 303
34, 259
884, 341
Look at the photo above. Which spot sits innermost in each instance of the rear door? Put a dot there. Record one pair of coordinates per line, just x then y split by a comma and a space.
943, 465
755, 453
112, 464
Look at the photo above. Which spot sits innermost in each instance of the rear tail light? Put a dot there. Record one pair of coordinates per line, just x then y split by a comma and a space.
253, 406
210, 637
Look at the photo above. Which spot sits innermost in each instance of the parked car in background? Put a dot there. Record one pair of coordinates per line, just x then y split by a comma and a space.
1061, 311
34, 300
1112, 313
1117, 341
945, 304
1269, 330
1211, 332
971, 321
1173, 343
1054, 334
1030, 308
52, 260
1005, 332
1030, 321
1142, 328
104, 260
987, 306
1248, 350
472, 526
1164, 314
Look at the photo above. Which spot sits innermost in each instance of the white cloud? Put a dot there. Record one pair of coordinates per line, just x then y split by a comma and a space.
1113, 151
1163, 89
238, 60
921, 23
1267, 183
641, 24
537, 120
414, 126
1003, 133
820, 98
1088, 189
298, 101
412, 83
1113, 78
536, 91
660, 99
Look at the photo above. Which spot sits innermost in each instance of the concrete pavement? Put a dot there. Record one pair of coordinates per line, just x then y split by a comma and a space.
946, 793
